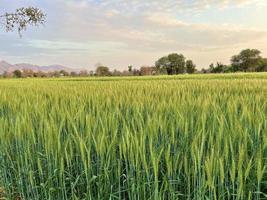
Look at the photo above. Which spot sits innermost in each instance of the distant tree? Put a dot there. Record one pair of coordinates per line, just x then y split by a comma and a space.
55, 74
172, 64
262, 65
126, 73
204, 71
49, 74
22, 18
116, 73
147, 71
247, 60
7, 74
190, 67
222, 68
83, 73
102, 71
219, 68
177, 63
211, 68
73, 74
17, 74
40, 74
35, 74
27, 73
130, 68
91, 73
136, 72
162, 64
228, 69
63, 73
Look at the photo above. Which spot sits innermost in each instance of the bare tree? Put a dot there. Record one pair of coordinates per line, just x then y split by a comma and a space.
22, 18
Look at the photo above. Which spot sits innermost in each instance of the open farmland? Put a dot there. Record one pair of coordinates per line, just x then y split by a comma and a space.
177, 137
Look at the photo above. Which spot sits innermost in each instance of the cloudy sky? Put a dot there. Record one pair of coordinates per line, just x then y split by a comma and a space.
118, 33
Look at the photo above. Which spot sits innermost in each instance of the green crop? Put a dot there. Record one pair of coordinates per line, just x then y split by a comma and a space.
193, 137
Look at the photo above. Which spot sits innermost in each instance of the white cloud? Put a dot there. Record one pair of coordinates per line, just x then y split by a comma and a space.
120, 32
168, 6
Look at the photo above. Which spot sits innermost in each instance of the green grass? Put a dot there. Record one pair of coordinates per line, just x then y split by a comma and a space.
169, 137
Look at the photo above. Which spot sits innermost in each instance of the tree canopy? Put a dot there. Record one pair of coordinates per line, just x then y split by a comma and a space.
248, 60
174, 64
22, 18
190, 67
102, 71
219, 68
262, 65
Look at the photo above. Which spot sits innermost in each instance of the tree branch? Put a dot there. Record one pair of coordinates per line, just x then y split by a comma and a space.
22, 18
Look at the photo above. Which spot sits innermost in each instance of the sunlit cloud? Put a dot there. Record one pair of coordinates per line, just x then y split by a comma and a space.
122, 32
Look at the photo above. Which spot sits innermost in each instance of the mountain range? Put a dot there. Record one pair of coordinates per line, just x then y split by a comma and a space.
7, 67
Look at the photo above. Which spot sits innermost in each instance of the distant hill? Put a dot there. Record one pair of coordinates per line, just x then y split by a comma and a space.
5, 66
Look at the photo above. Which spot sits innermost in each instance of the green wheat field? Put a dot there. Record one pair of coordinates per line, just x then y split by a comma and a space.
192, 137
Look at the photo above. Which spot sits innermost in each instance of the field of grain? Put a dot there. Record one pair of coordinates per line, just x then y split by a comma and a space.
189, 137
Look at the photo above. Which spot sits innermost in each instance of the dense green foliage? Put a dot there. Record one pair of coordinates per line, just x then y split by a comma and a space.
102, 71
248, 60
174, 64
178, 137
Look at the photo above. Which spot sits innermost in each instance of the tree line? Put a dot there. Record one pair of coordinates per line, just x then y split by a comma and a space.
28, 73
248, 60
